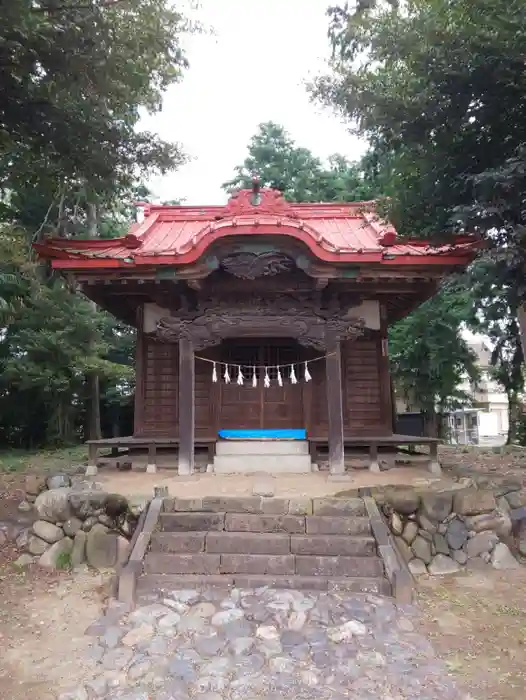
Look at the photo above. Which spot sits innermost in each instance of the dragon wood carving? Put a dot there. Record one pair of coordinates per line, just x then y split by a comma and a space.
249, 266
310, 324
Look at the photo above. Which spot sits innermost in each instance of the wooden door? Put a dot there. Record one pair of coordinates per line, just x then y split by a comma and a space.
240, 405
247, 407
282, 406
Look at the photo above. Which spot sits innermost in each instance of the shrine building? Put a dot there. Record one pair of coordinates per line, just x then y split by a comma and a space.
261, 327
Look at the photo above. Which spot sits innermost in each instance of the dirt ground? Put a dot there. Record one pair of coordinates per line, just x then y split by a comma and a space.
42, 624
477, 621
477, 624
284, 485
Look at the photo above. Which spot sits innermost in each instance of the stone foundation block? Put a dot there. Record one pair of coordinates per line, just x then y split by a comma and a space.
247, 543
300, 506
178, 542
339, 566
257, 564
246, 504
240, 522
338, 506
192, 522
334, 525
160, 563
332, 545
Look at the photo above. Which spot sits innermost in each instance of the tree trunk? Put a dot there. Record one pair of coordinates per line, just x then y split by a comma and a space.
431, 423
521, 319
92, 428
513, 417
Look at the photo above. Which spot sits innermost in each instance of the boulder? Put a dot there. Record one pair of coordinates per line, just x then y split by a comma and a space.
78, 553
497, 521
34, 484
58, 555
516, 499
422, 549
89, 523
72, 526
522, 547
22, 539
460, 556
437, 506
480, 543
84, 503
443, 565
397, 526
457, 534
503, 505
410, 531
441, 545
25, 507
36, 546
402, 500
58, 481
417, 567
507, 485
47, 531
502, 558
23, 561
404, 549
101, 547
123, 550
53, 505
474, 501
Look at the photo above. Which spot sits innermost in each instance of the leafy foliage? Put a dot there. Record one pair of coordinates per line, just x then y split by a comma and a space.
429, 356
295, 171
74, 77
438, 88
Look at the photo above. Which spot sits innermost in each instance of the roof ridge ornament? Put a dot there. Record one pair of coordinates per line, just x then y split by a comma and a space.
256, 201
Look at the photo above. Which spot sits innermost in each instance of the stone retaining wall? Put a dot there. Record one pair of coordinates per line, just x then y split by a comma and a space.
76, 522
441, 532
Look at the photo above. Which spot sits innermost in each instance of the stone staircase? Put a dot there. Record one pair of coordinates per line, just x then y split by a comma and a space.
270, 456
320, 544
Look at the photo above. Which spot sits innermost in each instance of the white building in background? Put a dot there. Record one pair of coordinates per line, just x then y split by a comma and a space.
485, 422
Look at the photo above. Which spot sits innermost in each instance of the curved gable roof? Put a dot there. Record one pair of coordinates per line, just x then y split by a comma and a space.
338, 233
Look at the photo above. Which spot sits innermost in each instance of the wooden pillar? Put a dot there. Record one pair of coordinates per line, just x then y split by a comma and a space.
384, 376
335, 408
186, 406
91, 468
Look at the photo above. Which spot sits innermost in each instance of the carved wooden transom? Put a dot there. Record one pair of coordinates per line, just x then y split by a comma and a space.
250, 266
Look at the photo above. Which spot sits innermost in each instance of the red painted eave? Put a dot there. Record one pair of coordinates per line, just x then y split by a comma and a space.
179, 235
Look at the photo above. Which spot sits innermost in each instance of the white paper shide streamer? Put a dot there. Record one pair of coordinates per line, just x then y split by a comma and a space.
242, 374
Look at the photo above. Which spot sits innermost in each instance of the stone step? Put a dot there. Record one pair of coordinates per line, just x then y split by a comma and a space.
265, 448
257, 523
169, 582
270, 464
261, 543
263, 564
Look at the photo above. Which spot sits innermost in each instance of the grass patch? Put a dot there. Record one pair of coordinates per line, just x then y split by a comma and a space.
64, 561
19, 461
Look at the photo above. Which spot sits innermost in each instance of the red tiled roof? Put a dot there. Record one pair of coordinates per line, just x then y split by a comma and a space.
181, 234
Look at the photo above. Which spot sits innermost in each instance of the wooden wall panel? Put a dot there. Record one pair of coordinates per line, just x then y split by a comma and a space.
156, 407
361, 384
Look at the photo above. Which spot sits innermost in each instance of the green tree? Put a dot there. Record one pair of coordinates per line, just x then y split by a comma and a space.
429, 356
73, 77
438, 89
295, 171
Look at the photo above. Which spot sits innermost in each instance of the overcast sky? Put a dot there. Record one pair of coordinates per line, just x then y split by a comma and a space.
251, 70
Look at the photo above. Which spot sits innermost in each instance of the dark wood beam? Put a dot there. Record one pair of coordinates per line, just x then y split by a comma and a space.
186, 406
